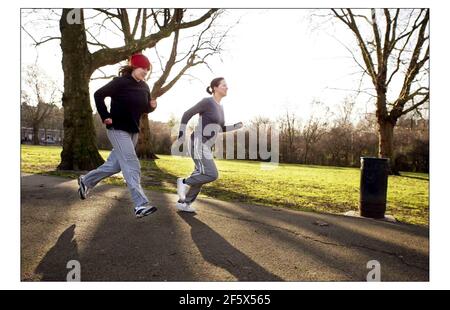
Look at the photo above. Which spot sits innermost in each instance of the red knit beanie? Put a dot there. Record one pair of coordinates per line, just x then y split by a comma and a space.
140, 61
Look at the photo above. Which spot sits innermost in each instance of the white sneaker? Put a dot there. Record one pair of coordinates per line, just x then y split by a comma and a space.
182, 189
82, 188
144, 211
185, 207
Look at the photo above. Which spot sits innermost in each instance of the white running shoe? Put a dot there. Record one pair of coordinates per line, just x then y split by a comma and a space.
182, 189
185, 207
144, 211
82, 188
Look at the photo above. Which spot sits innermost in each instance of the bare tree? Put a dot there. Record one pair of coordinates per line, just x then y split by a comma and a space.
343, 133
394, 47
80, 151
262, 125
289, 132
40, 94
315, 127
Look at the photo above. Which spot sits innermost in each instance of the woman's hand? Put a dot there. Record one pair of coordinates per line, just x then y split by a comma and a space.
107, 121
153, 103
238, 125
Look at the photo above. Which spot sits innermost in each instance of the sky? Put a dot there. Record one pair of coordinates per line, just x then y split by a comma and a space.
273, 60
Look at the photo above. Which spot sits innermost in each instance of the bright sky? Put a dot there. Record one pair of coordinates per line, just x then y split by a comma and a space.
273, 61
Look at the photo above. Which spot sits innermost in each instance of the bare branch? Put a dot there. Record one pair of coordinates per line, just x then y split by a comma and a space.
29, 34
350, 22
387, 40
363, 17
107, 13
144, 23
201, 45
36, 43
415, 64
415, 26
97, 43
352, 54
399, 61
46, 40
124, 21
417, 92
155, 19
111, 56
106, 77
415, 106
102, 26
377, 40
113, 22
358, 91
199, 20
136, 22
159, 59
166, 72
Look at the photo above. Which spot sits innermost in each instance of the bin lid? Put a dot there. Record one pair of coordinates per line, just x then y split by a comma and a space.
374, 158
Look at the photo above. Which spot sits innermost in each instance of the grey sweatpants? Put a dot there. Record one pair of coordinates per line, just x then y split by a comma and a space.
205, 168
122, 157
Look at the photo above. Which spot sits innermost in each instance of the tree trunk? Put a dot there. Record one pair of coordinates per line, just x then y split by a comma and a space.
386, 143
144, 147
35, 135
80, 150
306, 154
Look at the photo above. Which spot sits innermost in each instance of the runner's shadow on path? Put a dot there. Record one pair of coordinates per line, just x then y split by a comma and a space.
53, 265
219, 252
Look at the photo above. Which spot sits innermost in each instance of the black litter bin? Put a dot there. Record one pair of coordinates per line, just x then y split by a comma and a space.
373, 188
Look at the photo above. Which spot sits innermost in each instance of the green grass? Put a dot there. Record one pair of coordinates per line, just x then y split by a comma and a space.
300, 187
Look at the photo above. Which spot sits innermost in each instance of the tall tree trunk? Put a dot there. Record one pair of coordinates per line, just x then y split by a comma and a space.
386, 144
80, 150
35, 134
306, 154
144, 147
386, 124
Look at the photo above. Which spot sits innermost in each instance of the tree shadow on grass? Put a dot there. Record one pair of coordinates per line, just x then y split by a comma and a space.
157, 176
414, 177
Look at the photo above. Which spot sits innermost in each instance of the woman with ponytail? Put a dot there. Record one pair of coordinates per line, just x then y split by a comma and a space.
211, 121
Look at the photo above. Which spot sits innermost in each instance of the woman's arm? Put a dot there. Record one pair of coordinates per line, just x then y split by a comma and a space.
232, 127
152, 105
99, 96
198, 108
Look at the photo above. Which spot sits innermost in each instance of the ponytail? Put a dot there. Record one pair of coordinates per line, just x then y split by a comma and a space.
125, 70
214, 83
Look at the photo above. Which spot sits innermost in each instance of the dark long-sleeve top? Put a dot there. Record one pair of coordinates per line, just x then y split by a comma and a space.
210, 113
129, 100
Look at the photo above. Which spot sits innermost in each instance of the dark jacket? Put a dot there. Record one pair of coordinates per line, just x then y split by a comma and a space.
129, 100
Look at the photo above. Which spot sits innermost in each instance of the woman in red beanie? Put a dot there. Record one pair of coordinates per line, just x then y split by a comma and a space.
130, 98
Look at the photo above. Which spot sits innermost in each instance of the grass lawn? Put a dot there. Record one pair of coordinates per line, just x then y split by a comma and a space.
301, 187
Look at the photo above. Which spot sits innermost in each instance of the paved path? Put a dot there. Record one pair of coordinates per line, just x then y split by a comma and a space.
222, 242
